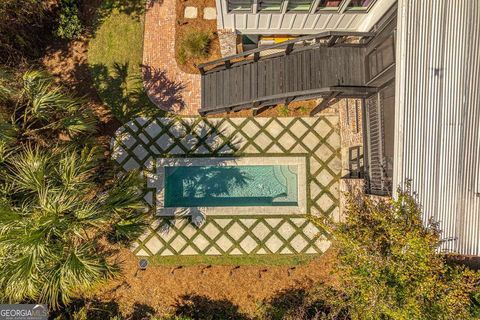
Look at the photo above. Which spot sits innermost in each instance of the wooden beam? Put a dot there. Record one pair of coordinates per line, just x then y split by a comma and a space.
325, 103
257, 111
289, 100
332, 41
289, 48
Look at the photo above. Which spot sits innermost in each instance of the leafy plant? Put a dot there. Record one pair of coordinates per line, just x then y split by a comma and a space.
53, 215
390, 265
40, 110
388, 268
195, 44
69, 24
24, 28
303, 109
283, 111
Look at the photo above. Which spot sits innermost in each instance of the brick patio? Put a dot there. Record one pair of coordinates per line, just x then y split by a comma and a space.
159, 58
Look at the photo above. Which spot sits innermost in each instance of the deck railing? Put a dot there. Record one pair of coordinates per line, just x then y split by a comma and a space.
328, 38
286, 98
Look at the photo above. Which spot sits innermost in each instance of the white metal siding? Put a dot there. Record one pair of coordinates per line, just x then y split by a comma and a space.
438, 114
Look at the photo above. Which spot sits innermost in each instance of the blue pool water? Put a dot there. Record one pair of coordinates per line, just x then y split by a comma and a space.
230, 186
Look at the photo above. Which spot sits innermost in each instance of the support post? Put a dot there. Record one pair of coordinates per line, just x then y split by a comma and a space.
332, 41
326, 102
289, 48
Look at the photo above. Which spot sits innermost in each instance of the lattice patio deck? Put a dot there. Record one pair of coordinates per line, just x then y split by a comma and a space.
316, 138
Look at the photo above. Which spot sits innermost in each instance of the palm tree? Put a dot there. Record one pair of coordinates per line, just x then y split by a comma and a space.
53, 215
40, 110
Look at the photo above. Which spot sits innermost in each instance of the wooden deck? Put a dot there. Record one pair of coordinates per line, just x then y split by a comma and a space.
293, 74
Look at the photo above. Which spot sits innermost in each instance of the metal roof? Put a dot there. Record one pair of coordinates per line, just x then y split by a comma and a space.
437, 140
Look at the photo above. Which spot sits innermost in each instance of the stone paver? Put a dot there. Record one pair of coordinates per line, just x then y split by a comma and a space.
142, 140
190, 12
232, 235
209, 13
167, 86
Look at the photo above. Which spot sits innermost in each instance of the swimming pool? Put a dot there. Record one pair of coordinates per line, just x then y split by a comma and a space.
231, 186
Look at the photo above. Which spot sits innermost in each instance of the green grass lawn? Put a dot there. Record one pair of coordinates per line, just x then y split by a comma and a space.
115, 58
232, 260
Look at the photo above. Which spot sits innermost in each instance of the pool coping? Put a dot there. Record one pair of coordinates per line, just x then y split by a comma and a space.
156, 179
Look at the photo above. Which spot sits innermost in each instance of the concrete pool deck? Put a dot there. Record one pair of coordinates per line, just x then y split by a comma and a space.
141, 142
156, 181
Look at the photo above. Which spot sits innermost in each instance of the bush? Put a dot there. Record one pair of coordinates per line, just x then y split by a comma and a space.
195, 44
391, 267
24, 29
388, 268
69, 24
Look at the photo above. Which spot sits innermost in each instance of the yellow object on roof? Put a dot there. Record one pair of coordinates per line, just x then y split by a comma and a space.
277, 39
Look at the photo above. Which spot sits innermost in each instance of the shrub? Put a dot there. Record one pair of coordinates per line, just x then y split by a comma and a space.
40, 110
391, 267
69, 24
195, 44
283, 111
388, 268
24, 29
53, 215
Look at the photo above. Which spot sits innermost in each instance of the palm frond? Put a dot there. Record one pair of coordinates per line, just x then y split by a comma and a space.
77, 270
8, 131
39, 93
78, 124
126, 194
25, 255
30, 169
75, 170
5, 93
129, 228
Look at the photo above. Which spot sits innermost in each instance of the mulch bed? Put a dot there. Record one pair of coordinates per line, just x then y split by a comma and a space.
294, 109
184, 26
165, 290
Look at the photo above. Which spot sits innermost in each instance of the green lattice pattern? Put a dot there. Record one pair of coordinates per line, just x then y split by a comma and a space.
233, 236
316, 138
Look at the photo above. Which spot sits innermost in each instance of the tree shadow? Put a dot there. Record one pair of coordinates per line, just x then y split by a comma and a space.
94, 12
165, 93
302, 304
122, 91
204, 308
101, 310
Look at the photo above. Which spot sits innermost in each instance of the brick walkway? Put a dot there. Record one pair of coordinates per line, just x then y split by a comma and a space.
167, 86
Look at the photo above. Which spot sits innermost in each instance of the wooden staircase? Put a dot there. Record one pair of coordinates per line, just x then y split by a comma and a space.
330, 64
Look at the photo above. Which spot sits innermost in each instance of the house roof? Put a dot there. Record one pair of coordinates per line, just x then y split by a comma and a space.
437, 141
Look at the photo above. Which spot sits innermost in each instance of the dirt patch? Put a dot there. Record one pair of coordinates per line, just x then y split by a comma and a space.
184, 26
165, 289
67, 62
